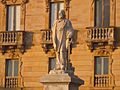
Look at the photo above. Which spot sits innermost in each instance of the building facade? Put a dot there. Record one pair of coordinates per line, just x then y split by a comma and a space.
26, 44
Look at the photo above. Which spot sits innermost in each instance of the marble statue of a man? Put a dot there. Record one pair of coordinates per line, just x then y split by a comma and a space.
62, 34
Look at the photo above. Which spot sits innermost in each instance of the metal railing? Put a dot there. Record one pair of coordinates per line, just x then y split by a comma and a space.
102, 80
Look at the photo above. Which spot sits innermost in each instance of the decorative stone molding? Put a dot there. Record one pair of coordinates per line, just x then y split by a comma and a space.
13, 55
7, 2
101, 53
3, 1
25, 1
21, 74
67, 2
104, 53
47, 5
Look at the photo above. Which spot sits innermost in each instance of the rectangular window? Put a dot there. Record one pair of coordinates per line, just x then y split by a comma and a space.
102, 13
13, 18
102, 78
52, 63
101, 65
54, 10
12, 69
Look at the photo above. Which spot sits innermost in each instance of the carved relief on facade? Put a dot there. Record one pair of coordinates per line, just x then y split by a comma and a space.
6, 2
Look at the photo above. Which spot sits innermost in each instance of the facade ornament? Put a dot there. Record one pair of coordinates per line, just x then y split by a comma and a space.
102, 52
47, 5
14, 1
13, 55
67, 2
3, 2
21, 70
25, 1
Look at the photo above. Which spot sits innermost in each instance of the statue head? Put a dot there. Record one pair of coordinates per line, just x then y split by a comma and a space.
62, 14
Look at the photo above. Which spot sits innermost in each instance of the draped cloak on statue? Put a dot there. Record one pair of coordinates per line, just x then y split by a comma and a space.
62, 31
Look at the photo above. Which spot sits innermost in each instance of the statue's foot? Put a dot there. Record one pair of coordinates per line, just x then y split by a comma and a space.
57, 67
62, 67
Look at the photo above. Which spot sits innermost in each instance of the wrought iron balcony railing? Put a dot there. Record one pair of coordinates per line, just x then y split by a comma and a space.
11, 38
102, 81
11, 82
100, 35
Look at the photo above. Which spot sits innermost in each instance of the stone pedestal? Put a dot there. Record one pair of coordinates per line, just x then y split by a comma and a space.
60, 82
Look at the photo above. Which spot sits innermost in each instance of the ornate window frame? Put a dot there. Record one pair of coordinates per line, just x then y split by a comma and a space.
22, 3
103, 53
47, 2
112, 12
16, 56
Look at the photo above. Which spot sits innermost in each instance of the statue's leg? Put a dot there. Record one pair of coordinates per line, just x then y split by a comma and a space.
57, 60
63, 60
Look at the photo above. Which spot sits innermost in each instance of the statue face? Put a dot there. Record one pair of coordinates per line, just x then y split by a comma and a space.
61, 14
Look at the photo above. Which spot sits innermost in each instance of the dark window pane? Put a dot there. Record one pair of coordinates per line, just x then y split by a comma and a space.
16, 65
106, 66
101, 65
52, 63
102, 13
106, 13
10, 18
98, 13
98, 65
13, 17
8, 68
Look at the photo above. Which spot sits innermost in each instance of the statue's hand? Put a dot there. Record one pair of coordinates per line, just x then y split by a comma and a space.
70, 40
55, 49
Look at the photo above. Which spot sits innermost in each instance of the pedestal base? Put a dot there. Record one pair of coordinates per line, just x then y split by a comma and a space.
60, 82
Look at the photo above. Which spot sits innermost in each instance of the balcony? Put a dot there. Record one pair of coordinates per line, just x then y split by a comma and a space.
46, 39
12, 38
102, 81
104, 36
11, 82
